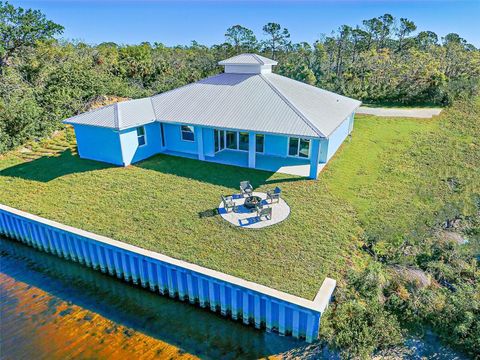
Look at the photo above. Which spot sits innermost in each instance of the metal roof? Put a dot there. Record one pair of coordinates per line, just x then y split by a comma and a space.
258, 102
235, 101
267, 103
324, 109
122, 115
248, 59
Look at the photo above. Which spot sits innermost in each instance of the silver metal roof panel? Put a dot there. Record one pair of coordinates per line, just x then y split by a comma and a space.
122, 115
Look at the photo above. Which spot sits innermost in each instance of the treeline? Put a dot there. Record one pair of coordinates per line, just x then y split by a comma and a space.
44, 80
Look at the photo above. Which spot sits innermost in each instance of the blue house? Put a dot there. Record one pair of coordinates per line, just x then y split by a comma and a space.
246, 116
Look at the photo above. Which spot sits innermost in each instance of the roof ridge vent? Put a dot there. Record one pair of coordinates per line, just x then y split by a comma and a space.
116, 117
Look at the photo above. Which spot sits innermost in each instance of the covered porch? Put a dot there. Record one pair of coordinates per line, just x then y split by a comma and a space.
276, 153
276, 164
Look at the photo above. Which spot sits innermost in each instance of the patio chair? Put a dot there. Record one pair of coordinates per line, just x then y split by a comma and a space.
266, 212
228, 203
274, 194
246, 188
259, 206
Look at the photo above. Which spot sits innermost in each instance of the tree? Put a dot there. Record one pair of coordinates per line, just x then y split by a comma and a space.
372, 28
426, 39
278, 38
343, 41
359, 42
455, 39
406, 28
241, 38
387, 21
21, 28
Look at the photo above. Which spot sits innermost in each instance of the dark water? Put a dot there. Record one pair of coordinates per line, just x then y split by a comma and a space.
53, 308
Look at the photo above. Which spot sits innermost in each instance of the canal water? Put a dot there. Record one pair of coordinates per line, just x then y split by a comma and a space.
56, 309
51, 308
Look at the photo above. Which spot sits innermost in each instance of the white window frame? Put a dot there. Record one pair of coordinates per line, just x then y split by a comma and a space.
298, 147
182, 131
144, 135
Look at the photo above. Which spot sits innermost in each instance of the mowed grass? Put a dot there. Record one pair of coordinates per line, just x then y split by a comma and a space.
157, 204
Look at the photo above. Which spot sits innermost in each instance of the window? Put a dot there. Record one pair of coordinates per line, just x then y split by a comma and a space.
232, 140
162, 132
259, 143
243, 141
187, 133
222, 139
216, 138
304, 148
299, 147
142, 140
219, 136
293, 147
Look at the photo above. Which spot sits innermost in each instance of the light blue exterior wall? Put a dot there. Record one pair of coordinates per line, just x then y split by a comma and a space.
276, 145
208, 142
97, 143
174, 142
338, 136
131, 152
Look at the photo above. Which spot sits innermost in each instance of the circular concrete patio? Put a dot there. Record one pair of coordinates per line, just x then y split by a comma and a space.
245, 218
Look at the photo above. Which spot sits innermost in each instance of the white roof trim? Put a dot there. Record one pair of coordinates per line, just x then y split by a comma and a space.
248, 59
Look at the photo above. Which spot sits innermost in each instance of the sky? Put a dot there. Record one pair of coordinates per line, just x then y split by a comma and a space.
180, 22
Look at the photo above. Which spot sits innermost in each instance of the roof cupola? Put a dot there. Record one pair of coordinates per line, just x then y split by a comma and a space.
248, 64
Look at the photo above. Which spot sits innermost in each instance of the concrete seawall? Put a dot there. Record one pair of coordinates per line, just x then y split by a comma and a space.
254, 304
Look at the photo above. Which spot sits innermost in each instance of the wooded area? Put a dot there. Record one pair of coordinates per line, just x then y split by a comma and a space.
44, 80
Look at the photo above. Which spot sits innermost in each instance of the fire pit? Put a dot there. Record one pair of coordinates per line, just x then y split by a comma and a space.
252, 202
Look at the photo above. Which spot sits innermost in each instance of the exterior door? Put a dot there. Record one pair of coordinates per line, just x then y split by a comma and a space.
219, 136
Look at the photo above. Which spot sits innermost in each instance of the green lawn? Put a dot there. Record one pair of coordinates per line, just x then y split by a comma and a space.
156, 204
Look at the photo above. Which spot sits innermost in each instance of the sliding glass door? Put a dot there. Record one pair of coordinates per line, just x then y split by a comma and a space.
235, 140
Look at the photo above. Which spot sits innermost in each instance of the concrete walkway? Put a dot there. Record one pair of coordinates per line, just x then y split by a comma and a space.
399, 112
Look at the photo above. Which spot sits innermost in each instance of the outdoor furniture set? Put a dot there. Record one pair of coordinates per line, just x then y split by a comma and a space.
252, 202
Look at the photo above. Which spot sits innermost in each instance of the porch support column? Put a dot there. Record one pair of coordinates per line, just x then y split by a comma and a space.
323, 150
314, 158
198, 131
251, 149
351, 121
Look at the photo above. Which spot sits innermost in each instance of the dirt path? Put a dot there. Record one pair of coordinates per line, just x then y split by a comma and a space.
398, 112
